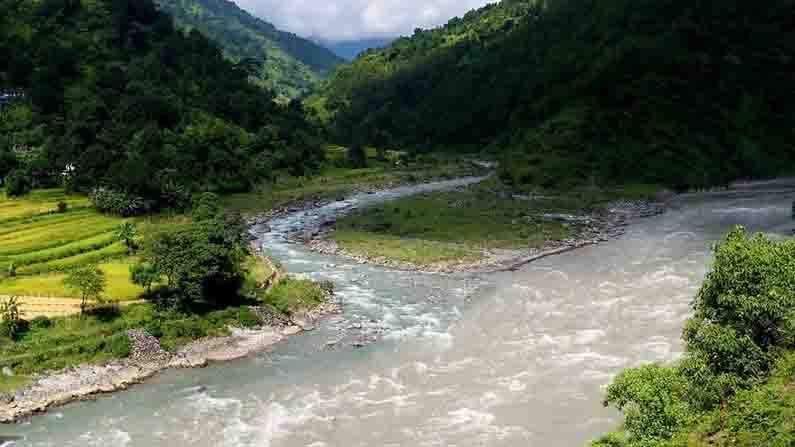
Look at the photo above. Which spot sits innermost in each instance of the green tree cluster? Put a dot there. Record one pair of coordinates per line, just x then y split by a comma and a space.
200, 263
742, 328
566, 92
117, 98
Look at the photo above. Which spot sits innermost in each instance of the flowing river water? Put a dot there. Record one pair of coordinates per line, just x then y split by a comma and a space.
508, 359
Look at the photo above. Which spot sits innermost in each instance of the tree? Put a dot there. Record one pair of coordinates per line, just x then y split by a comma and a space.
651, 399
128, 232
202, 262
206, 206
357, 157
89, 282
144, 275
11, 322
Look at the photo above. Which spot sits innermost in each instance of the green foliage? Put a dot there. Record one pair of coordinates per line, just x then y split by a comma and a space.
18, 183
89, 281
357, 157
206, 206
201, 261
144, 275
10, 320
576, 92
118, 203
119, 101
283, 62
651, 399
292, 294
741, 329
128, 233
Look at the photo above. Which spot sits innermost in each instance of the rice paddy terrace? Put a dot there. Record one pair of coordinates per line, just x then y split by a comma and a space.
41, 240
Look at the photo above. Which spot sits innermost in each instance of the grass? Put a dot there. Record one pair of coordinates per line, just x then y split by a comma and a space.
53, 344
43, 244
415, 251
446, 226
293, 294
458, 226
336, 180
117, 273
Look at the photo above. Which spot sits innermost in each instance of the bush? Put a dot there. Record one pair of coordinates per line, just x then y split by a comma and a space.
118, 203
357, 157
40, 322
11, 324
119, 346
206, 206
651, 399
247, 318
18, 183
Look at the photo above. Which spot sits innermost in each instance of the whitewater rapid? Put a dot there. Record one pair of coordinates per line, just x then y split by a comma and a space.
508, 359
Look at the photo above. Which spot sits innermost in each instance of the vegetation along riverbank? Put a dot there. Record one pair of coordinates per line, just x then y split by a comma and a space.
137, 326
485, 227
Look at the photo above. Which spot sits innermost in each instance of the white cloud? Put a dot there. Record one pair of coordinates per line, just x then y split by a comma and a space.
357, 19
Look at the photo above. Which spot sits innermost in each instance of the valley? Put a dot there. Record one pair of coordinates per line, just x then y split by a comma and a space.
544, 223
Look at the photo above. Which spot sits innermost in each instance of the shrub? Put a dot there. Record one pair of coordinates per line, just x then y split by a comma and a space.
128, 232
119, 346
11, 324
18, 183
144, 275
651, 399
247, 318
89, 282
357, 157
40, 322
119, 203
206, 206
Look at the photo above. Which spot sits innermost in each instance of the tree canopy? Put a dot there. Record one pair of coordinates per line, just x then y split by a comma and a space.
677, 92
116, 97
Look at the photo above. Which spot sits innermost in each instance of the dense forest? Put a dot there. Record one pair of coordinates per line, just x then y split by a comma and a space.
676, 92
287, 64
120, 102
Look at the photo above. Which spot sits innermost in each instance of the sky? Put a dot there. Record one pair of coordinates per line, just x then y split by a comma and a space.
338, 20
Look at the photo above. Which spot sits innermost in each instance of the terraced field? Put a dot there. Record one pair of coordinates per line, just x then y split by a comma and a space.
40, 244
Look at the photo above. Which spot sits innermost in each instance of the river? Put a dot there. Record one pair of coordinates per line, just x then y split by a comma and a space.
509, 359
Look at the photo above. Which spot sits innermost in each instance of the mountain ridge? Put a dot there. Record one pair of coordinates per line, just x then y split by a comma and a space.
289, 64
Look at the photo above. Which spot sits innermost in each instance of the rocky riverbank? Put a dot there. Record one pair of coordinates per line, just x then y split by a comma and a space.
597, 226
147, 358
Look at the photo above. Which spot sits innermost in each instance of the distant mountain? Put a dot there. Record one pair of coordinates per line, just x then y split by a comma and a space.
291, 64
350, 49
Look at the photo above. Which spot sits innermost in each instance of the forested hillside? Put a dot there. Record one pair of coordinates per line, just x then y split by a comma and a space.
286, 63
120, 102
676, 92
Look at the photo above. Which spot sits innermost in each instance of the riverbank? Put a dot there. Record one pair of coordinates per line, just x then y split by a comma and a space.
147, 358
475, 228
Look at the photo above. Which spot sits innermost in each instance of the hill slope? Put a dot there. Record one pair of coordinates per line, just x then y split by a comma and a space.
291, 64
116, 97
588, 91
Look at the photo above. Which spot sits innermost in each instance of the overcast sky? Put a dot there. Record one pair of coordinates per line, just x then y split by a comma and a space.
357, 19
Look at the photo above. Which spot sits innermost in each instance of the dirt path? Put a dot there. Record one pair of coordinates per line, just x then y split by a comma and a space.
51, 307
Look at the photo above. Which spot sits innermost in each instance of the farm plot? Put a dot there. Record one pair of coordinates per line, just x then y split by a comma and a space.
40, 243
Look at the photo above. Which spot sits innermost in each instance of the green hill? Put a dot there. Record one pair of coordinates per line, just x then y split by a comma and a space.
290, 65
673, 91
118, 100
